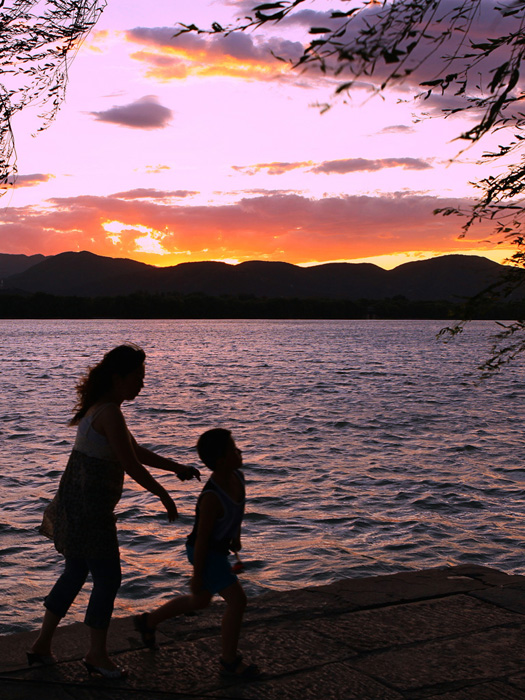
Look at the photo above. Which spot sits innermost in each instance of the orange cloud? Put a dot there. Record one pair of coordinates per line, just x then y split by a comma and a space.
271, 168
163, 68
273, 227
28, 180
172, 57
154, 169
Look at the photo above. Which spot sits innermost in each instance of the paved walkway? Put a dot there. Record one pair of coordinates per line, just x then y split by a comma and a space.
453, 633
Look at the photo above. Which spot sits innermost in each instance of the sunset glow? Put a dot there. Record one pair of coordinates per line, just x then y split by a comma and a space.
175, 149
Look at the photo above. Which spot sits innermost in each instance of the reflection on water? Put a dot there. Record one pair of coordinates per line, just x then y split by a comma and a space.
368, 449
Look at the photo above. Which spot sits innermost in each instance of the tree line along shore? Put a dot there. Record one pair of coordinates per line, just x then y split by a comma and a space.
142, 305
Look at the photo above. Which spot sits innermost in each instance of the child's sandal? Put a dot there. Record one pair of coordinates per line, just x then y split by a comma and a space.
231, 669
147, 634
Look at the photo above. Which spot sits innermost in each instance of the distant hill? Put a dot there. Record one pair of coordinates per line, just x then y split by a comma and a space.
14, 264
449, 277
82, 274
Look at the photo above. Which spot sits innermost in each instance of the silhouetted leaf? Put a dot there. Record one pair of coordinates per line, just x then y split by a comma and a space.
268, 6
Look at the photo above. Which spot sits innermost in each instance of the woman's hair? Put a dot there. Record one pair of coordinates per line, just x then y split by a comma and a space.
98, 381
212, 445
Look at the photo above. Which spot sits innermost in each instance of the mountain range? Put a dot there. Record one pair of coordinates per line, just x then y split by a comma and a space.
448, 277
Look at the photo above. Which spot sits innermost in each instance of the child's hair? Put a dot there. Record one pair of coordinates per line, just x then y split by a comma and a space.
212, 445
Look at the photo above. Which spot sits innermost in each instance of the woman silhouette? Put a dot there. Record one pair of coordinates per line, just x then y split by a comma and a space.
80, 518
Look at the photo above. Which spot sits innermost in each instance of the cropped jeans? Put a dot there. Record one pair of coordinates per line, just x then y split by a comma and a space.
106, 576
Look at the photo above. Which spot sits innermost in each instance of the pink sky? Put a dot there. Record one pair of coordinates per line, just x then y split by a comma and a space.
201, 148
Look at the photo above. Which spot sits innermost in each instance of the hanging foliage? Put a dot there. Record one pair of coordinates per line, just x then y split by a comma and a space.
458, 57
38, 40
446, 52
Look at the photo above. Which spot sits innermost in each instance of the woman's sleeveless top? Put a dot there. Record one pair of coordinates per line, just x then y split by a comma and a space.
226, 527
89, 490
89, 442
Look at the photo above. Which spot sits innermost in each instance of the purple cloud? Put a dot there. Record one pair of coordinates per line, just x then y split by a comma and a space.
150, 193
424, 62
397, 129
354, 165
145, 113
346, 165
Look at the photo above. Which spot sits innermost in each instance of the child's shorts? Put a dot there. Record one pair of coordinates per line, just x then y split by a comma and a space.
217, 574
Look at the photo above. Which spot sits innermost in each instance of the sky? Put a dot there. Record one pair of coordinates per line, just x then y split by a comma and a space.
174, 150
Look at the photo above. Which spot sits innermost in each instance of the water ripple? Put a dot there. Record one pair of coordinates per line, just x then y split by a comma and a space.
368, 449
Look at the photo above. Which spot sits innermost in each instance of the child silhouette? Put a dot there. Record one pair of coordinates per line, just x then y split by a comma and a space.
216, 532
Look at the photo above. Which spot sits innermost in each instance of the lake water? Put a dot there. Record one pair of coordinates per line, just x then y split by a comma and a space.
369, 448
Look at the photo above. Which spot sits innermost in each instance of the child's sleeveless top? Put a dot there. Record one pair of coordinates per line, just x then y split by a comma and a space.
228, 525
89, 490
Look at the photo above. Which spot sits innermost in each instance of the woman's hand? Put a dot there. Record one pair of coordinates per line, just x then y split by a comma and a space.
185, 473
171, 508
152, 459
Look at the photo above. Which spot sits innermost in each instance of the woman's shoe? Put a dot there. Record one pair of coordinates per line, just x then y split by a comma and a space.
232, 669
34, 657
111, 674
147, 634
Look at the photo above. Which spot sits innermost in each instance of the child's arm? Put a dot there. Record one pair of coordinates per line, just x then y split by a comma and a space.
236, 544
210, 510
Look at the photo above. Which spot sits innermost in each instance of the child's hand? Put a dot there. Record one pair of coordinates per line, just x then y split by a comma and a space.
235, 544
238, 567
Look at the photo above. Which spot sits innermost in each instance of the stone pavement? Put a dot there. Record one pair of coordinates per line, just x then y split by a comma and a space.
455, 633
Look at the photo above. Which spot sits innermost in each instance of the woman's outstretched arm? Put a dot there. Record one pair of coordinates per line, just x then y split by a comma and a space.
152, 459
112, 425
